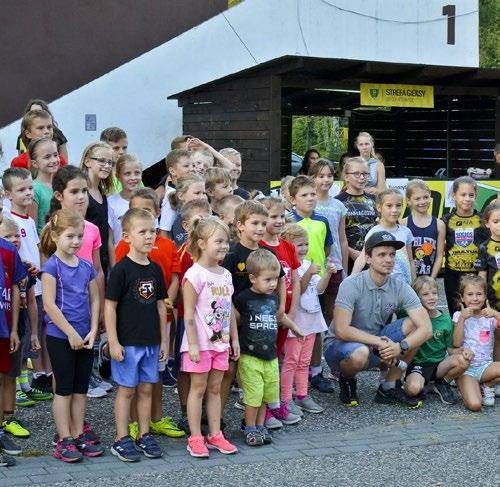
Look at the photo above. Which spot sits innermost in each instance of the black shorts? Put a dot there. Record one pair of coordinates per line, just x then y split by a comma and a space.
71, 368
427, 371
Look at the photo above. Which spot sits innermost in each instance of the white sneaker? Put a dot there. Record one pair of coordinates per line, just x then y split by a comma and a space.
488, 396
497, 390
96, 392
272, 423
105, 386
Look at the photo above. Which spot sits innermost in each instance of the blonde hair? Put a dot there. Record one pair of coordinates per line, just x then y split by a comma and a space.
58, 223
216, 175
262, 260
172, 158
203, 229
292, 232
422, 281
388, 192
251, 207
125, 159
181, 186
415, 184
105, 185
272, 201
134, 214
223, 204
372, 140
194, 207
349, 162
285, 183
9, 225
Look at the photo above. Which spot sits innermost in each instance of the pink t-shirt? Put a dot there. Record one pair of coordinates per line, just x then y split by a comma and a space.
212, 313
91, 241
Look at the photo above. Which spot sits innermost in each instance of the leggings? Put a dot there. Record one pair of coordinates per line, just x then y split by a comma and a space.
295, 367
451, 287
71, 368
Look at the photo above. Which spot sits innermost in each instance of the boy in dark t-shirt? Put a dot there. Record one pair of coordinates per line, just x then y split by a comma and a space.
256, 311
135, 315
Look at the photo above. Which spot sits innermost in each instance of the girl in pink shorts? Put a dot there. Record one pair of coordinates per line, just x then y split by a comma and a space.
210, 332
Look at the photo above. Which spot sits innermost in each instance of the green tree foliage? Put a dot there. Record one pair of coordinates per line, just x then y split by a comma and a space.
489, 33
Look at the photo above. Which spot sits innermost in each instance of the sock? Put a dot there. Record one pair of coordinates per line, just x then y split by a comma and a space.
315, 370
250, 428
23, 381
300, 398
388, 385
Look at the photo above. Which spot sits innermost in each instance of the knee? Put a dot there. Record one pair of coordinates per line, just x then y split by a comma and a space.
413, 387
213, 389
360, 358
472, 404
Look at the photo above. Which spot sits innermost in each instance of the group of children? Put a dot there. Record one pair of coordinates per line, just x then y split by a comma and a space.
236, 291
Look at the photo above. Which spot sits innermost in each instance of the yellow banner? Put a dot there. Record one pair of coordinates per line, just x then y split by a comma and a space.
386, 95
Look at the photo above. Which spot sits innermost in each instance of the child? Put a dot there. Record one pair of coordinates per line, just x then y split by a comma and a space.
128, 171
389, 204
475, 328
117, 139
235, 172
428, 232
361, 213
13, 273
226, 207
44, 163
71, 304
188, 188
365, 144
136, 288
256, 310
178, 163
97, 163
210, 332
203, 160
217, 184
464, 235
285, 185
165, 255
436, 361
35, 123
310, 319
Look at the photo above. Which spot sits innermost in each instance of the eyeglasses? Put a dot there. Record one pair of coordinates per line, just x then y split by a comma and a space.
102, 162
359, 174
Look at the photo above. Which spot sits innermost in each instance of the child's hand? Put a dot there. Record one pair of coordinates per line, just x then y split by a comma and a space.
14, 341
314, 268
235, 350
194, 353
32, 268
163, 352
197, 144
489, 312
465, 312
168, 303
298, 333
35, 344
330, 267
88, 341
75, 341
116, 351
467, 354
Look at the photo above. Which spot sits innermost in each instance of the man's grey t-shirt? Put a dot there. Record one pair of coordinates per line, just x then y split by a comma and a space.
372, 307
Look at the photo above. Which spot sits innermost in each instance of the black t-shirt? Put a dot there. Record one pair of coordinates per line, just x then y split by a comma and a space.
137, 288
97, 213
235, 263
242, 193
258, 325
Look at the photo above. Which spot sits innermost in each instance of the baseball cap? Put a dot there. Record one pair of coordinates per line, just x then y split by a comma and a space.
380, 239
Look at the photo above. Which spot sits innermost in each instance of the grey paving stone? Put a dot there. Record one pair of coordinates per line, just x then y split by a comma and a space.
68, 468
24, 470
240, 459
285, 455
354, 448
211, 462
8, 482
89, 475
50, 478
323, 452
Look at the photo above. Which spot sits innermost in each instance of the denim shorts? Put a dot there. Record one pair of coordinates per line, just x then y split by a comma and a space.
339, 350
477, 372
140, 364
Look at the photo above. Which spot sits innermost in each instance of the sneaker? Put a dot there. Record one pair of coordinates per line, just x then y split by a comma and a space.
321, 384
168, 378
254, 438
236, 389
125, 450
293, 408
45, 383
196, 447
94, 390
67, 451
271, 422
445, 392
266, 436
309, 404
285, 416
397, 396
133, 429
183, 424
6, 460
15, 428
333, 375
105, 386
348, 394
9, 447
239, 405
167, 427
23, 401
488, 396
148, 445
87, 448
90, 435
218, 442
39, 382
39, 395
497, 390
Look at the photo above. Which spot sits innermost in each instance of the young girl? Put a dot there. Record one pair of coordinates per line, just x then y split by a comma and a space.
129, 175
44, 163
475, 327
285, 184
209, 327
366, 146
464, 234
309, 318
187, 188
71, 303
389, 205
428, 232
97, 164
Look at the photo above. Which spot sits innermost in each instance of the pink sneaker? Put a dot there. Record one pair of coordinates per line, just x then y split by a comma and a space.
218, 442
196, 447
285, 416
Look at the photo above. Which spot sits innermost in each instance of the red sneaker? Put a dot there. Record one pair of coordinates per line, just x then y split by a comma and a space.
196, 447
218, 442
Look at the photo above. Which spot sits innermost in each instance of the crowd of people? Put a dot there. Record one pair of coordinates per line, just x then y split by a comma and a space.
207, 286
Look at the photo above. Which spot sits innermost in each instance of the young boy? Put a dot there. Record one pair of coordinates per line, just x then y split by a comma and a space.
226, 207
235, 172
18, 186
117, 139
256, 311
165, 255
303, 196
135, 313
217, 184
178, 163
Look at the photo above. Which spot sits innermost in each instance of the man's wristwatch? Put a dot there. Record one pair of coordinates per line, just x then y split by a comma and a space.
404, 346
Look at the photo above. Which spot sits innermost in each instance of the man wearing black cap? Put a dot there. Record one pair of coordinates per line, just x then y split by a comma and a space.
360, 338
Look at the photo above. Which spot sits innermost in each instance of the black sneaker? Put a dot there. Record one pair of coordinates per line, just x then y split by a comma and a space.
397, 396
321, 384
445, 392
266, 436
9, 447
168, 378
45, 382
348, 394
148, 445
6, 460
